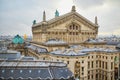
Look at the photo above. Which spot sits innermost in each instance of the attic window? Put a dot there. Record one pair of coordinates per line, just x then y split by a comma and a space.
30, 71
3, 71
39, 71
20, 71
11, 71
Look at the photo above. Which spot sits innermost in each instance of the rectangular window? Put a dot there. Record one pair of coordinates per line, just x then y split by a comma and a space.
82, 61
100, 64
106, 57
111, 65
106, 65
88, 76
88, 72
96, 76
88, 65
103, 65
92, 76
82, 68
92, 56
67, 62
92, 64
96, 63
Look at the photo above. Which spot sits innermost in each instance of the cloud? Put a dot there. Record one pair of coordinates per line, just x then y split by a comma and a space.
16, 16
86, 4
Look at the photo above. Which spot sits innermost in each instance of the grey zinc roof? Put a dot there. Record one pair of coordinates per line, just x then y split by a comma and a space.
59, 73
118, 45
10, 54
50, 42
81, 52
98, 49
95, 41
38, 49
33, 63
67, 53
34, 70
112, 43
43, 73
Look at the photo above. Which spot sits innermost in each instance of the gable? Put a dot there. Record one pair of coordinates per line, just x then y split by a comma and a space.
61, 23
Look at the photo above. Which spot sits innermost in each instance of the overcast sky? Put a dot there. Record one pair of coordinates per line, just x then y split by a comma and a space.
16, 16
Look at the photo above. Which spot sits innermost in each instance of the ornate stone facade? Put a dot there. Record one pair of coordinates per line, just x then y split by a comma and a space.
71, 28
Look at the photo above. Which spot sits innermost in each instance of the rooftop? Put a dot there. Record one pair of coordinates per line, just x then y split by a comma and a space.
18, 40
9, 54
30, 63
18, 69
95, 41
67, 52
38, 49
55, 42
81, 51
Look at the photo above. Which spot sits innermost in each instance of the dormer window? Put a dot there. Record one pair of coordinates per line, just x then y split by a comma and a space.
12, 71
21, 71
30, 71
3, 71
39, 71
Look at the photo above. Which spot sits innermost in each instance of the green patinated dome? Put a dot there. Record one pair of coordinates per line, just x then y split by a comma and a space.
18, 40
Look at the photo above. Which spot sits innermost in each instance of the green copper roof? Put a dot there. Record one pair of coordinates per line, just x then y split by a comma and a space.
18, 40
56, 13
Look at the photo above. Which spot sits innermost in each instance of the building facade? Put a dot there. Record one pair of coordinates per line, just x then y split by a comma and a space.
71, 28
86, 57
85, 63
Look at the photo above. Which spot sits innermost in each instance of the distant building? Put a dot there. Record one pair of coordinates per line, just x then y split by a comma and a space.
18, 40
9, 54
18, 43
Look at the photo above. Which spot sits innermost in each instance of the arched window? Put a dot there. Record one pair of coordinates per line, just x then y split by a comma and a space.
70, 27
73, 27
76, 27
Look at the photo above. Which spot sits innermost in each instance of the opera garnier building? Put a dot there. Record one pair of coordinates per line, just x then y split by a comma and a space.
71, 38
